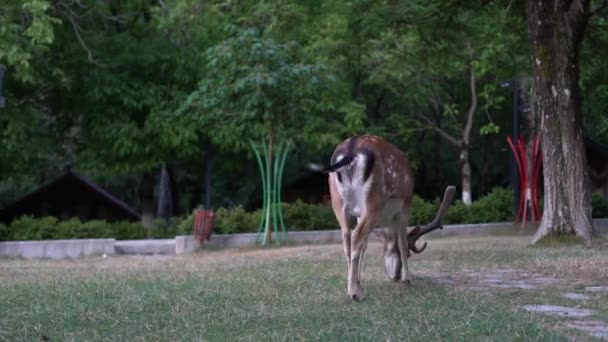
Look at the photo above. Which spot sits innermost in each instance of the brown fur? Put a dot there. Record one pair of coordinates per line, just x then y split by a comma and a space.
391, 179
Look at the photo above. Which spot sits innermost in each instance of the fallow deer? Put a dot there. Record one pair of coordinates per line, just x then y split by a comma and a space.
372, 180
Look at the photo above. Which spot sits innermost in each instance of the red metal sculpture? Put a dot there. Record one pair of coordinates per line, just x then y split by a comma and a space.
528, 184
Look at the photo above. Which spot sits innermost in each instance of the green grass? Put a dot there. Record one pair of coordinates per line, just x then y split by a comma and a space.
294, 293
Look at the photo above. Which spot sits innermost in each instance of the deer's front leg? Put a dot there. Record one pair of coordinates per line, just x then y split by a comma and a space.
342, 217
358, 244
346, 236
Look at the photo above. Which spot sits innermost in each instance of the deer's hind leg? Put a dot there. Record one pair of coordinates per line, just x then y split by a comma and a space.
403, 220
392, 254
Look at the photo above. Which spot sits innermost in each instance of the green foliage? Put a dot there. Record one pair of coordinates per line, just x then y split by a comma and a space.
423, 211
29, 228
26, 31
496, 206
236, 220
186, 226
599, 205
169, 229
489, 128
3, 232
304, 216
97, 84
257, 86
49, 228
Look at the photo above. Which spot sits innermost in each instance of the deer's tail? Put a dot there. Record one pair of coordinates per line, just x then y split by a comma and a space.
332, 167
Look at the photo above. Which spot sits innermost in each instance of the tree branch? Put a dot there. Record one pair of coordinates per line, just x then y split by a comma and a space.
81, 41
438, 129
600, 9
466, 134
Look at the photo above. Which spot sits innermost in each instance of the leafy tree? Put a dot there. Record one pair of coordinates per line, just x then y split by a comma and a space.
428, 69
257, 88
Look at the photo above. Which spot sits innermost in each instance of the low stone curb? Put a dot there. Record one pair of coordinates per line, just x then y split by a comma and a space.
57, 249
65, 249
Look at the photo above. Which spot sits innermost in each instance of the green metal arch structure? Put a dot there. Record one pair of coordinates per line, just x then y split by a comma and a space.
272, 179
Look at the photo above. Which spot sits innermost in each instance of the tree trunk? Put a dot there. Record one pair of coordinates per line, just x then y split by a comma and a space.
209, 159
465, 163
465, 171
146, 200
556, 31
165, 195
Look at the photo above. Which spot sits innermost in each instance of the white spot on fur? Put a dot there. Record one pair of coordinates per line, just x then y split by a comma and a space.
554, 91
567, 92
538, 62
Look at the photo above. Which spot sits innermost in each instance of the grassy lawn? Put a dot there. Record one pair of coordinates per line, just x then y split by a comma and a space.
299, 293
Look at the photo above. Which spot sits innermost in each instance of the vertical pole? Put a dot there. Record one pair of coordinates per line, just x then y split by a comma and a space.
262, 172
280, 183
269, 185
275, 195
267, 195
515, 185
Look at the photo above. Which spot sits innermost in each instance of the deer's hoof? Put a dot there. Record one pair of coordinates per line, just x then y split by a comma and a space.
392, 266
357, 293
407, 281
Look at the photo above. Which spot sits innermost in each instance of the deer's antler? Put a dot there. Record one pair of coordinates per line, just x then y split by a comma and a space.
416, 233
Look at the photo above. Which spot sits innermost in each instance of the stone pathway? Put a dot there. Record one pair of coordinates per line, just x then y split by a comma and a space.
597, 329
561, 311
517, 279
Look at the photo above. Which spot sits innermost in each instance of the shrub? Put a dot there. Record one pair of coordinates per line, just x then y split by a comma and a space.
235, 220
69, 229
96, 229
163, 229
29, 228
49, 228
423, 211
186, 226
600, 207
128, 230
304, 216
496, 206
3, 232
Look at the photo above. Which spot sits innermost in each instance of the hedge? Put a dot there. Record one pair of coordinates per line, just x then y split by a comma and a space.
496, 206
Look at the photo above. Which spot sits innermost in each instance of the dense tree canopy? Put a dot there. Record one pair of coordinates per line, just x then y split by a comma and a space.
118, 89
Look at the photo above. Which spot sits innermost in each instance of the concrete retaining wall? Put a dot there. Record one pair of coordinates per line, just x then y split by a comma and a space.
148, 246
65, 249
57, 249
